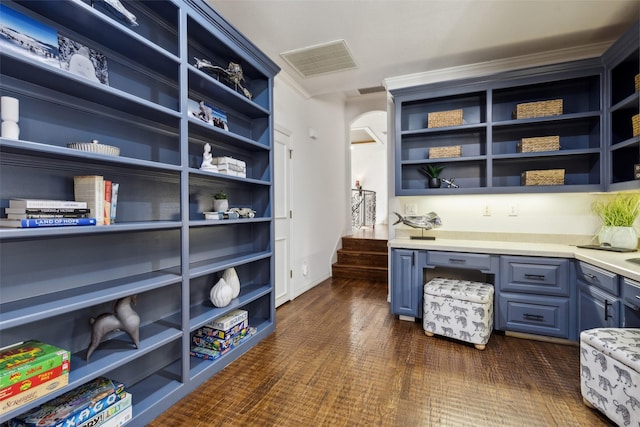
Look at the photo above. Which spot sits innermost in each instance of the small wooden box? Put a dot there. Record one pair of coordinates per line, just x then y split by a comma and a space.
444, 152
635, 122
444, 118
539, 143
530, 110
543, 177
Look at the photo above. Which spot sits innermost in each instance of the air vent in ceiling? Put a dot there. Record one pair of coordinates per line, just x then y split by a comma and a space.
368, 90
321, 59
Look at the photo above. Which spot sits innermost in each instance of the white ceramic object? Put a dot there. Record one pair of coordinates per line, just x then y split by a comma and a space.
619, 237
231, 277
95, 147
220, 205
10, 130
221, 294
10, 109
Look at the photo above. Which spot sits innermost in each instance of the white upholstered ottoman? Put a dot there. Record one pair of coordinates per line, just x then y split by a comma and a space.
609, 373
458, 309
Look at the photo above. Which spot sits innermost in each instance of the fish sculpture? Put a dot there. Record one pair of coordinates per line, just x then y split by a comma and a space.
233, 73
426, 222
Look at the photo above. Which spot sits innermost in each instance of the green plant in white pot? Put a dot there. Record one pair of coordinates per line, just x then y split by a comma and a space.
220, 202
618, 214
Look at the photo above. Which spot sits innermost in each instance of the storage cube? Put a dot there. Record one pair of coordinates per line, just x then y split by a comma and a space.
543, 177
459, 309
444, 152
444, 118
609, 378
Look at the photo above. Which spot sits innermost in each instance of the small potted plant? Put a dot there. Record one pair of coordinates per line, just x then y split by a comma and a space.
432, 171
220, 202
618, 214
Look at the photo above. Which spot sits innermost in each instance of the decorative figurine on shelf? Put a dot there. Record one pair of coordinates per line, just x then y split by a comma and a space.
124, 318
244, 212
450, 183
233, 73
207, 159
121, 12
424, 222
10, 112
221, 294
432, 172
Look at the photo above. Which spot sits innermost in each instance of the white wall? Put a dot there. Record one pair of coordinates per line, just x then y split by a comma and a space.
318, 173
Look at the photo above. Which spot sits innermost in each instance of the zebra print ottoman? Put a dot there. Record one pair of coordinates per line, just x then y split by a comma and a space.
458, 309
610, 378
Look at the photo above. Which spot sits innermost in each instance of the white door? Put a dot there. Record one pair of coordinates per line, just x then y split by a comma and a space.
281, 196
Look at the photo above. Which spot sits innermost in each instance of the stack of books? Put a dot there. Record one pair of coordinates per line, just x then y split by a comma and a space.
219, 336
30, 370
101, 402
101, 196
29, 213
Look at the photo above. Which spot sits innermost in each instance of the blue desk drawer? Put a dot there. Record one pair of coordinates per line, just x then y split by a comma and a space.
535, 315
631, 293
597, 277
459, 260
536, 275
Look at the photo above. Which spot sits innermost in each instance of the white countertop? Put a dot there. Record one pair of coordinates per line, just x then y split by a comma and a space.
611, 261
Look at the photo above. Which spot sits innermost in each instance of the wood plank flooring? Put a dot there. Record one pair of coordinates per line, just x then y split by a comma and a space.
339, 358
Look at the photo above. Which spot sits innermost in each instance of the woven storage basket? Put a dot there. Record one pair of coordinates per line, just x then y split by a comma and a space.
543, 177
637, 82
635, 121
444, 118
442, 152
539, 143
530, 110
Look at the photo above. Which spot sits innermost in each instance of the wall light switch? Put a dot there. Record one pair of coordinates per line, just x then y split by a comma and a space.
486, 210
512, 209
411, 209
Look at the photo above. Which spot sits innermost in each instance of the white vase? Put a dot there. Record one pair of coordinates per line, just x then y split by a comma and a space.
10, 130
619, 237
220, 205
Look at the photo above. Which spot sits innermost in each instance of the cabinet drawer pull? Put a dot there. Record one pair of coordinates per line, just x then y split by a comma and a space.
457, 260
607, 316
536, 317
637, 296
535, 276
591, 276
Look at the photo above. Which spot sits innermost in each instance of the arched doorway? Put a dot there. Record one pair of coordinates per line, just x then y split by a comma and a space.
369, 166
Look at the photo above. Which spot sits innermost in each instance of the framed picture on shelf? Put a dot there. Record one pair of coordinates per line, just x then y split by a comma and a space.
26, 36
208, 114
82, 60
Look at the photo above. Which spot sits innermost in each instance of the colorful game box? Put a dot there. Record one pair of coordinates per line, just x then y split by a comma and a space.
74, 407
209, 332
109, 413
226, 322
26, 359
213, 344
207, 353
36, 380
34, 393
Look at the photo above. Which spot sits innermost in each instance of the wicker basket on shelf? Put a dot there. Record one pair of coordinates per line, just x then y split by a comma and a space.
539, 143
635, 122
530, 110
441, 119
443, 152
543, 177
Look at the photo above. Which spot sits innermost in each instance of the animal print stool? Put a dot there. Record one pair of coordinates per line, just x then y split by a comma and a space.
459, 309
610, 379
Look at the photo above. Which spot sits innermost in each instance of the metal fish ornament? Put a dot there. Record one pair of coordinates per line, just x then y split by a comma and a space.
426, 222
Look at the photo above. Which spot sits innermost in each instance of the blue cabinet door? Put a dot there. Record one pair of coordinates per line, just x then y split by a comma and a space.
596, 308
406, 283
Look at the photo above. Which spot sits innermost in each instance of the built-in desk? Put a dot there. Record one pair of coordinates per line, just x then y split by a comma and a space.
538, 285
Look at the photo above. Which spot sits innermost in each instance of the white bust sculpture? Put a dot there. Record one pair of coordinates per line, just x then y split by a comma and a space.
207, 157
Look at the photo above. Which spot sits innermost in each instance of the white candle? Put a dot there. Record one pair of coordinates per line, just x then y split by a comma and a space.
10, 109
10, 130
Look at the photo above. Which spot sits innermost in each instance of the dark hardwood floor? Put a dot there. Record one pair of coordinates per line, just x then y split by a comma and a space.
339, 358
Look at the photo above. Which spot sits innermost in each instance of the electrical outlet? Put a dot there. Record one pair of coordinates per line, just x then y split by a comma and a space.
411, 209
486, 210
512, 209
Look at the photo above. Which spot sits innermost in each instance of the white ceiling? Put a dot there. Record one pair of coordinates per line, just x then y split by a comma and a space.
390, 38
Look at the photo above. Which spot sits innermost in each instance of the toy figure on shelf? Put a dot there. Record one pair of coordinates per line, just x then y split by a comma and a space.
207, 159
233, 73
124, 318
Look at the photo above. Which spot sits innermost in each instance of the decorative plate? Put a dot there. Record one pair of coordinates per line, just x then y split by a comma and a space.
95, 147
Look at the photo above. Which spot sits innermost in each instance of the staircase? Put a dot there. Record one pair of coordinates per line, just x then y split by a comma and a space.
362, 259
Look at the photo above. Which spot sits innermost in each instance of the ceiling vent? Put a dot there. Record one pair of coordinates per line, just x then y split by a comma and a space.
368, 90
321, 59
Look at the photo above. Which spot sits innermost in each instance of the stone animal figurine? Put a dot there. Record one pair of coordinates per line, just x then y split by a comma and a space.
123, 318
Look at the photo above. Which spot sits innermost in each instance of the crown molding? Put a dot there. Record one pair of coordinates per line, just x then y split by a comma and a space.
285, 78
493, 67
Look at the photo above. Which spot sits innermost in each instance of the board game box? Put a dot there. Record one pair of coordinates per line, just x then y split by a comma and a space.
36, 380
26, 359
34, 393
74, 407
110, 412
213, 333
229, 320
